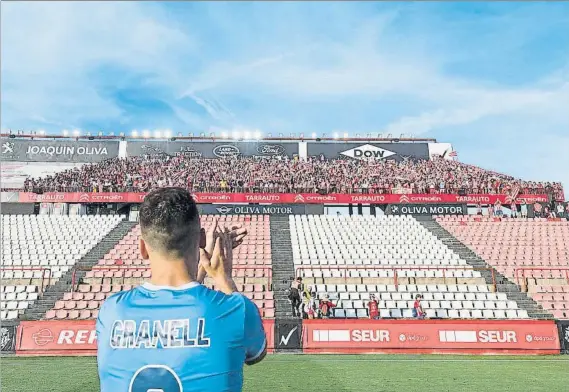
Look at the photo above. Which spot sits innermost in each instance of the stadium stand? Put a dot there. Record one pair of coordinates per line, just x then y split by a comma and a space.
139, 174
394, 257
37, 250
122, 268
531, 252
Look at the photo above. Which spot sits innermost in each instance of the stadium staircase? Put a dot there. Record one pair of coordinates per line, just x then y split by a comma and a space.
503, 284
283, 265
55, 292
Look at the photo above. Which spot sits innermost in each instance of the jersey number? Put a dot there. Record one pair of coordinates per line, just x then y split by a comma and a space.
155, 378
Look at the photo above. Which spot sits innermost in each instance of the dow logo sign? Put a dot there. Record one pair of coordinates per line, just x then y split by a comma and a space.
367, 152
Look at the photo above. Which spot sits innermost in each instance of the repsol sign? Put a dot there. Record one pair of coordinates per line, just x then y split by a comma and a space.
427, 209
238, 209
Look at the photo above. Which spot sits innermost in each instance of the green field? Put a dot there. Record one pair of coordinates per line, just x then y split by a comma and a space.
316, 373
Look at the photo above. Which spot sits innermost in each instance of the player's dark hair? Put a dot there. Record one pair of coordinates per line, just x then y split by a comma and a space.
169, 221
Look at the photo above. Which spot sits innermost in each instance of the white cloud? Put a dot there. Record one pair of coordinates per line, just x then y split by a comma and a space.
49, 50
294, 65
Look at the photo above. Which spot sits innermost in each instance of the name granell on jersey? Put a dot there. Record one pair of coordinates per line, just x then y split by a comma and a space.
158, 334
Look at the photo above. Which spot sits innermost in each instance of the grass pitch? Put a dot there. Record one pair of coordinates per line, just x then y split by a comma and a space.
326, 373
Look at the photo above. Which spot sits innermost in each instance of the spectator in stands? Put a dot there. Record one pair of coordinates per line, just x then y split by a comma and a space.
490, 210
559, 210
313, 307
373, 307
498, 208
479, 209
524, 209
514, 209
305, 304
538, 210
418, 311
308, 305
294, 296
244, 174
326, 307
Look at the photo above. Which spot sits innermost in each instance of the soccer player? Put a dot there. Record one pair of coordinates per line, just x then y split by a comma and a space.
173, 334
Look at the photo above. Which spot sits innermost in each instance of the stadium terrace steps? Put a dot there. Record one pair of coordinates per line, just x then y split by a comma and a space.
55, 292
283, 266
503, 284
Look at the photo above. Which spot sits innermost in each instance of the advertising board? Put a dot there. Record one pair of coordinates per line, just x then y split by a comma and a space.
369, 151
29, 150
427, 209
7, 338
74, 337
212, 149
431, 336
240, 209
78, 337
275, 198
563, 326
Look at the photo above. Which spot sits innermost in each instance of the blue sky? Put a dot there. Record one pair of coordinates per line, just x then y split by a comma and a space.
493, 79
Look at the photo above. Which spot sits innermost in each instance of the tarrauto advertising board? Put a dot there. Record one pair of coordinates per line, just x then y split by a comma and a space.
19, 150
370, 151
75, 337
275, 198
212, 149
427, 209
431, 336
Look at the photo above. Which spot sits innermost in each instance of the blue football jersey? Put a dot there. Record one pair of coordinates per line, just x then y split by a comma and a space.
165, 339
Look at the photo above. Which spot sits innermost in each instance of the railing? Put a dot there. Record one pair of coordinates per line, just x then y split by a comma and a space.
43, 274
347, 267
522, 271
267, 270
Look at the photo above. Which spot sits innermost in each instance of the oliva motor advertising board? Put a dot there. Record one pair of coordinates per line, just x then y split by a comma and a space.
427, 209
19, 150
273, 209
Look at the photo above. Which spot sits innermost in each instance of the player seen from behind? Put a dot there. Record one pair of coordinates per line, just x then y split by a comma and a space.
174, 334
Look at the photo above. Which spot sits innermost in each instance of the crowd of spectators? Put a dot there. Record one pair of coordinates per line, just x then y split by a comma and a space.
240, 174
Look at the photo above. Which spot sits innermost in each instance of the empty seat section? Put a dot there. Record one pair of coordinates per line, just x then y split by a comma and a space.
533, 253
122, 268
349, 258
38, 249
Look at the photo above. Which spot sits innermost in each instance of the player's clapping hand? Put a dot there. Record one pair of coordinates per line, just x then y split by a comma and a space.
219, 265
215, 263
235, 237
238, 233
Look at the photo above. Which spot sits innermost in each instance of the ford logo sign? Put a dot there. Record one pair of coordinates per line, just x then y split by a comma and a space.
270, 149
226, 150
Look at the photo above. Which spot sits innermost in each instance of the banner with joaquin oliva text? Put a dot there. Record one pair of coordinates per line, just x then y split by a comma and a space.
18, 150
